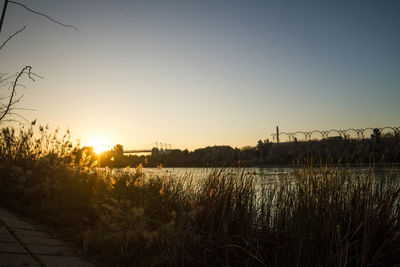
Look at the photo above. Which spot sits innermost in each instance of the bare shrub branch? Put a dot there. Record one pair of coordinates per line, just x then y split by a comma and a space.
7, 102
7, 108
44, 15
11, 36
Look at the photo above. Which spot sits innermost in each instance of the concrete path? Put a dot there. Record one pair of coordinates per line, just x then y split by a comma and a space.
23, 244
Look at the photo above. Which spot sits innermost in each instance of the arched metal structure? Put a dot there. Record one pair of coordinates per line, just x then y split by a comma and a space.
344, 133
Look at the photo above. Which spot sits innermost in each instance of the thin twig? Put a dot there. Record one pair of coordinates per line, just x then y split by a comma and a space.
21, 85
16, 101
9, 38
25, 109
44, 15
19, 116
13, 91
9, 77
13, 120
3, 14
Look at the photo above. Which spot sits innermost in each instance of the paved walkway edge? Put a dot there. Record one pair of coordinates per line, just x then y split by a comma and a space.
11, 232
24, 244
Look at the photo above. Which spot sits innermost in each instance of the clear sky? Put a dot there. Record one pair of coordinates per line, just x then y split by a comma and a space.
198, 73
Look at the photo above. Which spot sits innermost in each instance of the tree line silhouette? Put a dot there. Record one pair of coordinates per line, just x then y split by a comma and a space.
379, 148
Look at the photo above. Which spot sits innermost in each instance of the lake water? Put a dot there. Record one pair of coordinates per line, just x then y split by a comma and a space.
260, 172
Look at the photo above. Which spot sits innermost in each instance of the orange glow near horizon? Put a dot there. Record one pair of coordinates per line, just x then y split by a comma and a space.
99, 145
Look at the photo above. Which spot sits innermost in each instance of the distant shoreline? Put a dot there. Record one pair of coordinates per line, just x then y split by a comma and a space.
353, 165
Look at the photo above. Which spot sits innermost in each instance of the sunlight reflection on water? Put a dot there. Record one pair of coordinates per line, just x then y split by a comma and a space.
263, 173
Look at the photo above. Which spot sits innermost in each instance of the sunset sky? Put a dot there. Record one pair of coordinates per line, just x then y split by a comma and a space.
199, 73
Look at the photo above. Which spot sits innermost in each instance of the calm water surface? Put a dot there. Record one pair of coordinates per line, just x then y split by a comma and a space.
261, 172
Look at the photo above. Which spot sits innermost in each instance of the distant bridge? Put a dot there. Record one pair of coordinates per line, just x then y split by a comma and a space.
345, 133
137, 151
162, 147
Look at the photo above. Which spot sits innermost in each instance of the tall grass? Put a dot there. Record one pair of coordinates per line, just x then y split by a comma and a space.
314, 217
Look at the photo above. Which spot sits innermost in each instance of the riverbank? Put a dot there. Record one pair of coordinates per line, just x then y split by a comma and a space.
315, 217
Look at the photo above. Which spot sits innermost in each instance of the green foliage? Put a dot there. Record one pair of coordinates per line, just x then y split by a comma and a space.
315, 217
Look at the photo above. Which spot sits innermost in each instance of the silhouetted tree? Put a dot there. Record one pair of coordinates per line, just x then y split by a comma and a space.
376, 135
9, 100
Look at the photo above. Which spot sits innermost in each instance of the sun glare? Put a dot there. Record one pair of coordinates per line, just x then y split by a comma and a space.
99, 145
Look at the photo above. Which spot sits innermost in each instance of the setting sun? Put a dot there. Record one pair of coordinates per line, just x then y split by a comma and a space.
99, 145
